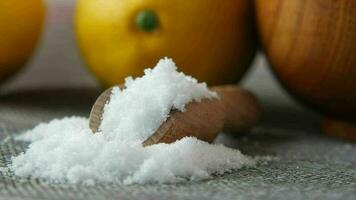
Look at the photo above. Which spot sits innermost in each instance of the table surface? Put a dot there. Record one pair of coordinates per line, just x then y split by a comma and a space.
55, 84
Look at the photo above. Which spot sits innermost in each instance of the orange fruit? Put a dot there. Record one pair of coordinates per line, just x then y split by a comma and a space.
20, 27
211, 40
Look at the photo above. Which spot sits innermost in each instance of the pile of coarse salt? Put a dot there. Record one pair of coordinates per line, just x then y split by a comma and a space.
66, 150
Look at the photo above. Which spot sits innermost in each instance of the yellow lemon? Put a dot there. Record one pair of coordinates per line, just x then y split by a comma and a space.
20, 27
208, 39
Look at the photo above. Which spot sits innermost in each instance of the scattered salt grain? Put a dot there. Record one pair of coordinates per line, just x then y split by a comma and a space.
65, 150
137, 111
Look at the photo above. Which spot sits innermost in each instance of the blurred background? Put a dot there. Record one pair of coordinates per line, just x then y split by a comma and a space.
57, 63
56, 59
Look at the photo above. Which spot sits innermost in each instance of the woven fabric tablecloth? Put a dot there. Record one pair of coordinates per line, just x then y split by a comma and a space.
309, 165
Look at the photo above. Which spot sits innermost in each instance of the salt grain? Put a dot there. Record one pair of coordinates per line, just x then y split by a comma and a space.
65, 150
137, 111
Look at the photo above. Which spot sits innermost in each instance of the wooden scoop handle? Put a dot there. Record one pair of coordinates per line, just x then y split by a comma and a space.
241, 107
235, 111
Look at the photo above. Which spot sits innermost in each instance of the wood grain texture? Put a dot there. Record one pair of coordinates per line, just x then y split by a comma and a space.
98, 109
235, 110
311, 45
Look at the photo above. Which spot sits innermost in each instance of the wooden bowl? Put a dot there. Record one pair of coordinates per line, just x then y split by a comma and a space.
311, 46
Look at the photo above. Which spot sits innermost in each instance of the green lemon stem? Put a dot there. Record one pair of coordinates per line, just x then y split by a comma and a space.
147, 20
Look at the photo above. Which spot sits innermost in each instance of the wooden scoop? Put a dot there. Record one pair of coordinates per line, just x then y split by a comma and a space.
236, 110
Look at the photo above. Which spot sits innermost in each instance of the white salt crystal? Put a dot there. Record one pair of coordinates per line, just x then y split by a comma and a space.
65, 150
137, 111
